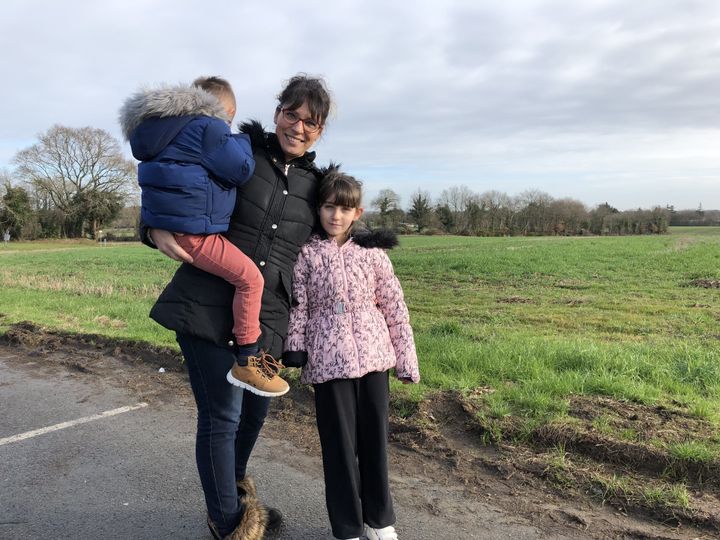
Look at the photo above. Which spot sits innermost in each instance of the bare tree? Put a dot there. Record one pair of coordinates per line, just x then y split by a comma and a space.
569, 216
459, 199
475, 215
535, 213
68, 165
386, 203
499, 212
456, 198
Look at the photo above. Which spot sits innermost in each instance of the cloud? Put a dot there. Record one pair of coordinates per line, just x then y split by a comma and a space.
594, 99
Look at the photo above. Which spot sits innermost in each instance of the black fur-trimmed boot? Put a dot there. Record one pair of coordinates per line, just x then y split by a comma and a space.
246, 488
251, 526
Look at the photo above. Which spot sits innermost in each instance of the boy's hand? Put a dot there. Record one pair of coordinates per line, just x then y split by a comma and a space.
166, 244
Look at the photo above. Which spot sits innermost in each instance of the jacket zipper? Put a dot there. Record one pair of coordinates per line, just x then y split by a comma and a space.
346, 298
266, 218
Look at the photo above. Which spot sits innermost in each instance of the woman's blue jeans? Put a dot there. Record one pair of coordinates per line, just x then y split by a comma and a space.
229, 422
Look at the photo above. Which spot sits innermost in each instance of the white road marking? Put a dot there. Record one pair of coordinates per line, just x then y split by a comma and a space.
63, 425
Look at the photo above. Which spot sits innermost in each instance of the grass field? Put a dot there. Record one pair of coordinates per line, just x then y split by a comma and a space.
534, 319
541, 318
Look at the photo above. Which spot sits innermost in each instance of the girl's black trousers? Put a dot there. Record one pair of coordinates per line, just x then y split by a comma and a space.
352, 419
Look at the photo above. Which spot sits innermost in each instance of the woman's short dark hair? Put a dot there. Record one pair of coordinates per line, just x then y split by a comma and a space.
311, 90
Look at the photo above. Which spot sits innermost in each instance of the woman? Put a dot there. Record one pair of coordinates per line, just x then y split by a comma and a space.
273, 217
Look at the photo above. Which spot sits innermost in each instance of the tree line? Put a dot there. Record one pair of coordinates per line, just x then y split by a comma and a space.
75, 181
694, 218
459, 210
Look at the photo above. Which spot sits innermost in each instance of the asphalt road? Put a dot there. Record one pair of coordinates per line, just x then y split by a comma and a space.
131, 475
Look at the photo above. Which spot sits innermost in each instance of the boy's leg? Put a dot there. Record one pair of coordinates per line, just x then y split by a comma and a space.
217, 255
336, 411
373, 426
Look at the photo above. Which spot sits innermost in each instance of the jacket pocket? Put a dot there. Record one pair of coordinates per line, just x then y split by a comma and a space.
222, 203
209, 202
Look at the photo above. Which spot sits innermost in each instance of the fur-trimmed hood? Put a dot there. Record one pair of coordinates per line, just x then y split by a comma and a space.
366, 238
379, 238
256, 132
165, 102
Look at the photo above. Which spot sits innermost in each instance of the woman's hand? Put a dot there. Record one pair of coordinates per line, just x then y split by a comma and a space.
166, 244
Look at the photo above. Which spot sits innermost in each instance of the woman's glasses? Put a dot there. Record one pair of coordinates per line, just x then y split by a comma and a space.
292, 117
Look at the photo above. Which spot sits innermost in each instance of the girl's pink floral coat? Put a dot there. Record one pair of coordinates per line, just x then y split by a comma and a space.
350, 316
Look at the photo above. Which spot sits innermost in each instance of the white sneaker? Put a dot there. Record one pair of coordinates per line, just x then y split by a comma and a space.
386, 533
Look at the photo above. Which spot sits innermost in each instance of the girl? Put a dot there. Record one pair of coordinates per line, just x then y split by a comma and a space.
349, 325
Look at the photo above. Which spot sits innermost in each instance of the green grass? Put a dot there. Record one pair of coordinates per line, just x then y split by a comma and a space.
538, 320
85, 287
623, 490
693, 451
541, 319
615, 487
671, 496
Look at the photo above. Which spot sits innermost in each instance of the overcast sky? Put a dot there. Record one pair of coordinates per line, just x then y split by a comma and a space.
597, 100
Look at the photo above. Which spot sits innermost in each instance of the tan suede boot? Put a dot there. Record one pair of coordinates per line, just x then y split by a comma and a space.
260, 376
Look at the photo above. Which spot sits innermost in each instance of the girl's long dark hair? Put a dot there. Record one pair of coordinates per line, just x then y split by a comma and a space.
343, 190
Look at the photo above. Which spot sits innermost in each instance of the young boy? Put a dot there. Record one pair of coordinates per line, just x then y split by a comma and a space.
190, 165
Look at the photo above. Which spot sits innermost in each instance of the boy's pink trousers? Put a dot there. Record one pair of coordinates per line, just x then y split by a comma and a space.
215, 254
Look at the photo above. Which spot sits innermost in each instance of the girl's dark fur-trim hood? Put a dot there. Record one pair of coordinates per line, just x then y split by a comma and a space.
365, 238
379, 238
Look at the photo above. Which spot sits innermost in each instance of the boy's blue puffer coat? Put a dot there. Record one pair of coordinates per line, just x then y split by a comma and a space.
190, 161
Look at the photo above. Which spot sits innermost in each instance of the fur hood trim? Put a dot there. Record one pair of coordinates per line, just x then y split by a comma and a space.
256, 132
365, 238
168, 101
379, 238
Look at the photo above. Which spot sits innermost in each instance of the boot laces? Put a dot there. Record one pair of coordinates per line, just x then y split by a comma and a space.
268, 366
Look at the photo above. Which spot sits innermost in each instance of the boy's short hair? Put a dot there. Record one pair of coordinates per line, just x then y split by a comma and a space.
216, 86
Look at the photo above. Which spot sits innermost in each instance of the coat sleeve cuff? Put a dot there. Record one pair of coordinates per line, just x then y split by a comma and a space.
294, 358
144, 233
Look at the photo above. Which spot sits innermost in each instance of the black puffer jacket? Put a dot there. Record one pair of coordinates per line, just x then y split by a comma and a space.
274, 215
